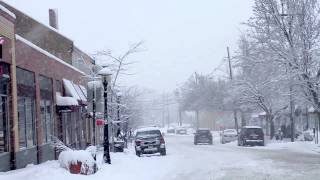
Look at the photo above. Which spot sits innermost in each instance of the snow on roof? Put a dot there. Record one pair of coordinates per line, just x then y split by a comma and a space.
95, 84
7, 11
148, 129
80, 93
46, 53
70, 89
249, 127
262, 114
65, 101
84, 90
311, 109
105, 71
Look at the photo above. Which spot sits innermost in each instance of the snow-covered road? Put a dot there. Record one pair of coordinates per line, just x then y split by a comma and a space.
185, 161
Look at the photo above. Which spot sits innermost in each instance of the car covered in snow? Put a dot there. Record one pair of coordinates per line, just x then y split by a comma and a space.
203, 136
149, 140
251, 135
228, 135
181, 131
171, 130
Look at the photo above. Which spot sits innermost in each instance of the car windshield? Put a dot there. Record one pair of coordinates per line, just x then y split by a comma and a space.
249, 131
151, 133
160, 89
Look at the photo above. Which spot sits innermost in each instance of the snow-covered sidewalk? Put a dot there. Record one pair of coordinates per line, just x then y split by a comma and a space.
297, 146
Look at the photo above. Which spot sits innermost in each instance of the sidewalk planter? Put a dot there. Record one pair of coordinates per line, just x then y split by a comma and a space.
77, 162
75, 168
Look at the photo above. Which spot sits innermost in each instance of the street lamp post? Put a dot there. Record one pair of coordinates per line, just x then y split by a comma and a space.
106, 78
118, 112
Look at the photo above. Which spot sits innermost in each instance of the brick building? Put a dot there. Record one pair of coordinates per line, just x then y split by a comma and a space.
42, 93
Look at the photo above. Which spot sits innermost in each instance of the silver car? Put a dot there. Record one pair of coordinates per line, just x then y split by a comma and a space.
228, 135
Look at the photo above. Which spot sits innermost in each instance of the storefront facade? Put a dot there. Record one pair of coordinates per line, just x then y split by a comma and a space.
8, 118
42, 97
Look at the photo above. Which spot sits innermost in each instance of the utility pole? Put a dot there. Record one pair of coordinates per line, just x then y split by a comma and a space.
163, 121
197, 110
94, 108
291, 115
231, 78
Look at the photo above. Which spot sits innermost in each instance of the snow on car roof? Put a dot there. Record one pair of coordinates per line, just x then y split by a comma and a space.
147, 129
251, 127
229, 130
204, 129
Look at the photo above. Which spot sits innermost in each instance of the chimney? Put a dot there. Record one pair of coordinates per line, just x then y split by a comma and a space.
53, 18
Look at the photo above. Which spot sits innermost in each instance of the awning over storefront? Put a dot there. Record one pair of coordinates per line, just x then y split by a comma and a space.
66, 101
78, 92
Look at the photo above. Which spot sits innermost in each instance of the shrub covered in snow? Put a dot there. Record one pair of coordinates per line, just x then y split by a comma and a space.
73, 157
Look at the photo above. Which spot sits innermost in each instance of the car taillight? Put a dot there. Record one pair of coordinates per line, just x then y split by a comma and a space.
161, 140
138, 143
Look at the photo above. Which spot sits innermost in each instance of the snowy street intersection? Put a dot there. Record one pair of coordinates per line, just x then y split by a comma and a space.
185, 161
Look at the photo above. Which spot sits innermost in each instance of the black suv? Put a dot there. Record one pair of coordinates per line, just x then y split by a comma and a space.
203, 136
149, 141
251, 135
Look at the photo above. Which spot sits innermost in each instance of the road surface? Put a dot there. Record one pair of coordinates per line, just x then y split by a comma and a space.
186, 161
228, 161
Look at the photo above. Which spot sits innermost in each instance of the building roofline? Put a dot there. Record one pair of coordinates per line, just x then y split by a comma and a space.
7, 11
38, 21
25, 41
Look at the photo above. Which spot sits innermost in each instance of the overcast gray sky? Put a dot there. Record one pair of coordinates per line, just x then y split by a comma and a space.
181, 36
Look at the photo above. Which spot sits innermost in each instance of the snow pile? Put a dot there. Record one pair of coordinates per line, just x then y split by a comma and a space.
298, 146
71, 157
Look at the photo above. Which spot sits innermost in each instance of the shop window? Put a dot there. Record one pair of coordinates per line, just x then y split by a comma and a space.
58, 86
4, 133
46, 108
67, 128
26, 108
46, 120
26, 112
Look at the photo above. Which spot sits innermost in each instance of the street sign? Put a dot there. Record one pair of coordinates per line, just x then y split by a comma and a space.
100, 122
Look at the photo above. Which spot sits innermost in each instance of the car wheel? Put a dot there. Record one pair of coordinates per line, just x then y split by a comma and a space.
138, 153
195, 143
262, 143
163, 152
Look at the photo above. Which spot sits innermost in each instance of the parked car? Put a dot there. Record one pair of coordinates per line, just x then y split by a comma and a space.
171, 130
251, 135
181, 131
203, 136
149, 140
228, 135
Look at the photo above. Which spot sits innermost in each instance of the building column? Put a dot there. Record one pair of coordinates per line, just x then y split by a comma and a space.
14, 139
